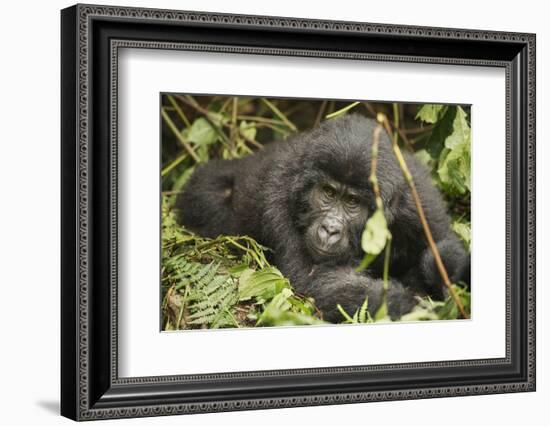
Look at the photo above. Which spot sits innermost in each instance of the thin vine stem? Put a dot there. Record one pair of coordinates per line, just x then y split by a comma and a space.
180, 137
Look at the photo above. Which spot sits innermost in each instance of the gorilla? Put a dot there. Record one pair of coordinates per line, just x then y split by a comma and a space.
308, 199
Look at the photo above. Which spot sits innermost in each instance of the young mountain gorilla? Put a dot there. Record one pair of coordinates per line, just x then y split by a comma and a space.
308, 199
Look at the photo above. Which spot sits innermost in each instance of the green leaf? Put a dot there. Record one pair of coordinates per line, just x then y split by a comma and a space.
460, 130
423, 156
273, 317
449, 309
430, 113
263, 284
463, 230
449, 146
201, 132
344, 314
218, 119
376, 234
441, 131
363, 313
282, 311
248, 130
240, 269
454, 169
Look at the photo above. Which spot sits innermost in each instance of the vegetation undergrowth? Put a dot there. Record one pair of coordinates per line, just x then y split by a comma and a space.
228, 281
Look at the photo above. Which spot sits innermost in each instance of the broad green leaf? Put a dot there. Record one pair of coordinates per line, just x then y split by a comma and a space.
282, 311
376, 234
430, 113
454, 169
280, 301
449, 145
264, 284
273, 317
461, 130
423, 156
217, 118
442, 129
201, 132
248, 129
240, 269
463, 230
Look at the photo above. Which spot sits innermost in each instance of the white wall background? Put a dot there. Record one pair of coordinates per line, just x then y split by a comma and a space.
29, 212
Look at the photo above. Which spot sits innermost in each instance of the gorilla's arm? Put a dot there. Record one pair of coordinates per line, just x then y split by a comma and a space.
425, 278
412, 260
349, 289
333, 285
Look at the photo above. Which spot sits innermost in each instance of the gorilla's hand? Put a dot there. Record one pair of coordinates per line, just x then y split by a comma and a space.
425, 277
348, 288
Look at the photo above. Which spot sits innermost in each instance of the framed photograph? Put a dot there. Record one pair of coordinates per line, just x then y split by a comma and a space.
263, 212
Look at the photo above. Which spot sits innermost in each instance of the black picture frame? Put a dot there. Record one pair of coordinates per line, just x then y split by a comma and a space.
90, 386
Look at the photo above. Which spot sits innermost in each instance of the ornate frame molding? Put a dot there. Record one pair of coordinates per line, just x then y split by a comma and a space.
91, 401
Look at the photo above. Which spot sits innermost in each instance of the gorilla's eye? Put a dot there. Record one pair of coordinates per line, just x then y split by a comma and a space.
329, 191
353, 200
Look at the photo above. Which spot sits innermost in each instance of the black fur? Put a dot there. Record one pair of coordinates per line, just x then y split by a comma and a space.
265, 196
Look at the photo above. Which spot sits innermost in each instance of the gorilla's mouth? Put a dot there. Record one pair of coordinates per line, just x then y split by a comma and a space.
324, 252
321, 249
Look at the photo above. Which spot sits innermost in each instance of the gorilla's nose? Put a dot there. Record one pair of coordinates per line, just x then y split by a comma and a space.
330, 230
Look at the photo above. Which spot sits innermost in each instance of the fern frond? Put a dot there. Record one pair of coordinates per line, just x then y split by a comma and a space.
211, 292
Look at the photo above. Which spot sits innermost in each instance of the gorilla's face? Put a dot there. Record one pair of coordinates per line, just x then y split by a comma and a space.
337, 214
